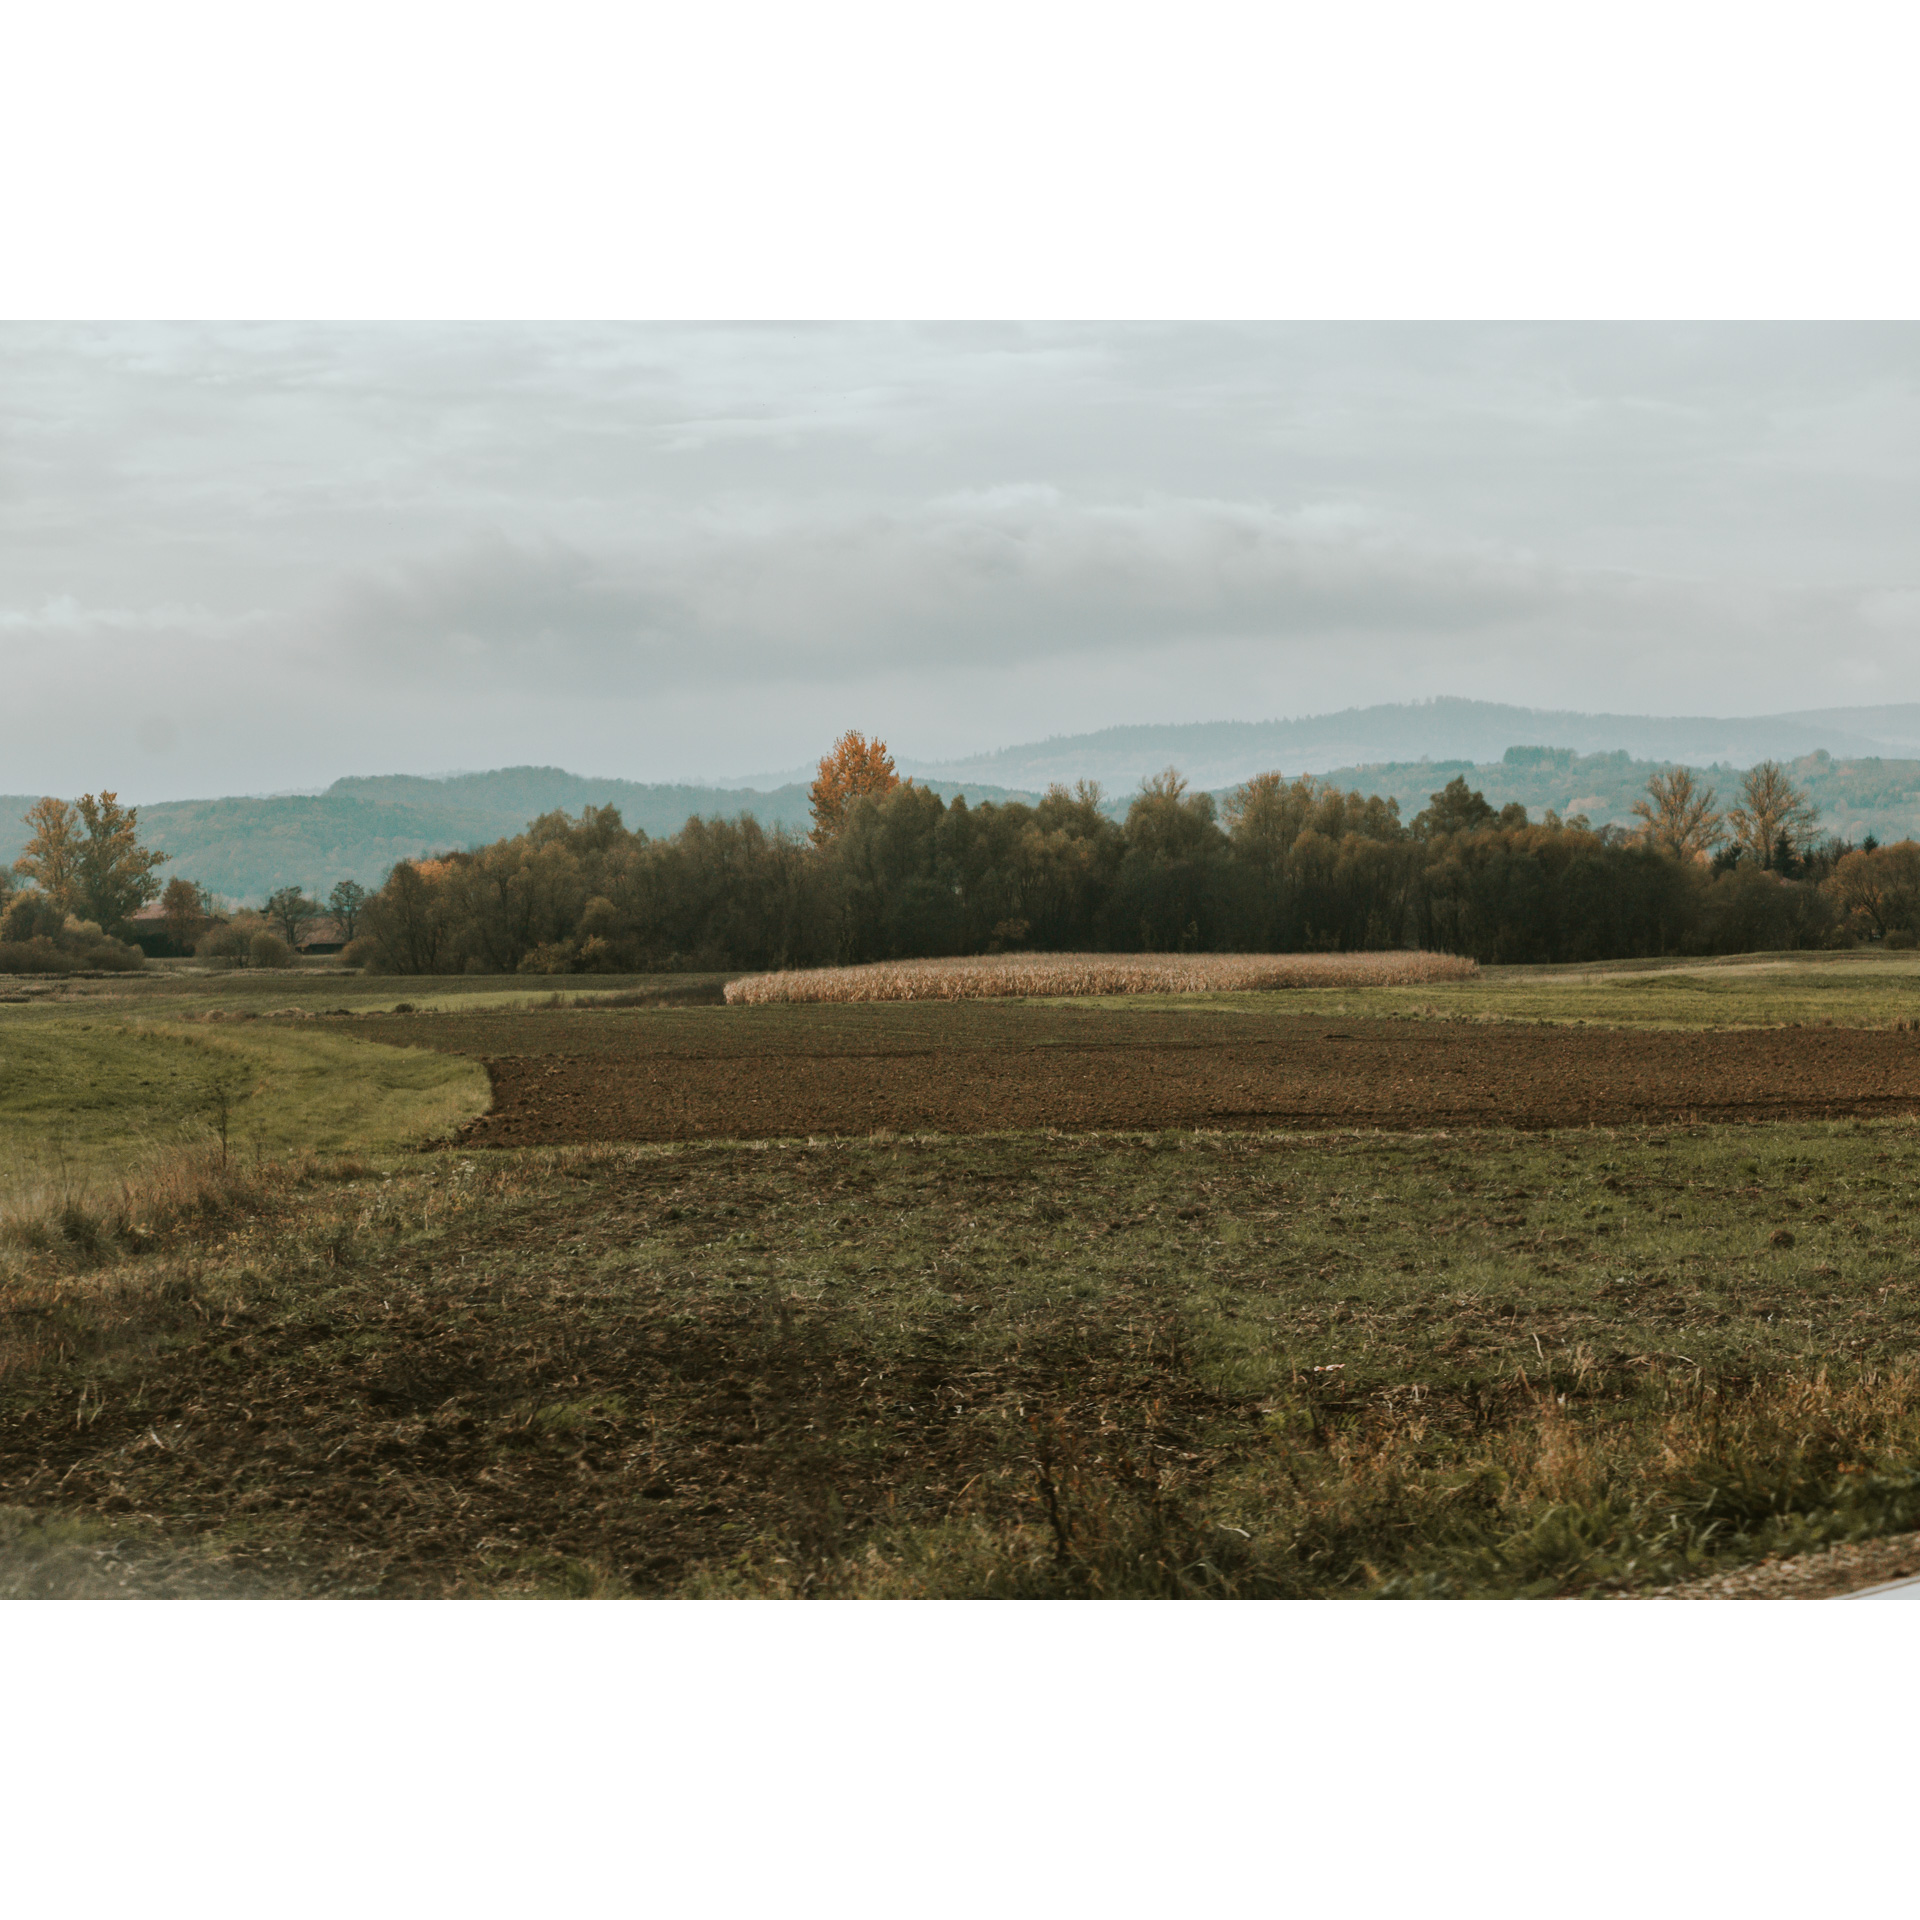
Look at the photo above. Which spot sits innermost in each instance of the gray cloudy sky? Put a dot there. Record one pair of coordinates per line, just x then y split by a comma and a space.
246, 558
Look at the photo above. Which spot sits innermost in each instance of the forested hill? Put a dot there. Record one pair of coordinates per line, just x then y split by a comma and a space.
245, 847
1855, 797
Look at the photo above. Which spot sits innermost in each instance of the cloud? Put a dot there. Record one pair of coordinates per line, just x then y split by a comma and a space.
265, 556
1020, 576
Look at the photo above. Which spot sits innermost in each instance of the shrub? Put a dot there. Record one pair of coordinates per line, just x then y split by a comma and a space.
268, 950
362, 952
224, 942
42, 940
32, 916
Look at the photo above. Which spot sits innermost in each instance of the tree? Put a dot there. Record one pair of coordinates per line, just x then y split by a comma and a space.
1680, 818
345, 903
1167, 823
408, 916
102, 874
1878, 888
185, 908
1775, 819
290, 910
1456, 808
53, 850
856, 766
115, 870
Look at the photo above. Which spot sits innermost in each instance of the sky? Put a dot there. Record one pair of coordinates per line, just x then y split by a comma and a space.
255, 557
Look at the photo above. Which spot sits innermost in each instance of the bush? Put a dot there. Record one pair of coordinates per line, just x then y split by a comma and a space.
31, 917
37, 937
363, 952
224, 942
268, 950
69, 955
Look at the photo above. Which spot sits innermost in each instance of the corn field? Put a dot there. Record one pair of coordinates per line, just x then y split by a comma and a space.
1062, 974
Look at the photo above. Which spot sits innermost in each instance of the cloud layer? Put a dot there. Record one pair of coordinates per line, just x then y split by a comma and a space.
262, 557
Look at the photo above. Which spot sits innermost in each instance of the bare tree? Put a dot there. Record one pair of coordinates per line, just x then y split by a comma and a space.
1775, 820
1680, 817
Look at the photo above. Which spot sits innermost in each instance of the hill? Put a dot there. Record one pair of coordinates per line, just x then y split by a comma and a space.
1855, 797
1221, 752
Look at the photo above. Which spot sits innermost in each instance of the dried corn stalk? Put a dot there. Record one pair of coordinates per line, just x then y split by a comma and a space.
1060, 974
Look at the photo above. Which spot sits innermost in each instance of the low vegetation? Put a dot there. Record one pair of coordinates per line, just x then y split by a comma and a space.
87, 1101
1594, 1361
1051, 975
1159, 1365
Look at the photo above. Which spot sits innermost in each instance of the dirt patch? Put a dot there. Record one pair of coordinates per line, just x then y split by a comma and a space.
745, 1073
1831, 1574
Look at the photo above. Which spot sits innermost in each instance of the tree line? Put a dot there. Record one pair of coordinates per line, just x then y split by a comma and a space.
892, 871
70, 902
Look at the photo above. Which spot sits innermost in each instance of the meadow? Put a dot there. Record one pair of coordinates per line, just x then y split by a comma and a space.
1179, 1361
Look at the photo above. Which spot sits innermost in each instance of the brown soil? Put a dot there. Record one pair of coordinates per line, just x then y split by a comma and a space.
780, 1073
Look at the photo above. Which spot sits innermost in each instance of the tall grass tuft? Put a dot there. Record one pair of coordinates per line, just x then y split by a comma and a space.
1051, 975
63, 1210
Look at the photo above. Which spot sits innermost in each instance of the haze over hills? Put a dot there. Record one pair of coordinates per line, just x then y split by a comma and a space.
1222, 752
242, 847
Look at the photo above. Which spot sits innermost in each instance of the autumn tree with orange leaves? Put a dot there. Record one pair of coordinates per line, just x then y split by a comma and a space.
856, 766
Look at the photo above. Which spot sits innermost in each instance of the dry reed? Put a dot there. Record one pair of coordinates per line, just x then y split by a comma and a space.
1063, 974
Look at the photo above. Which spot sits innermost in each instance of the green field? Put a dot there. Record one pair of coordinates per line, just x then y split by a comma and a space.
89, 1099
1858, 988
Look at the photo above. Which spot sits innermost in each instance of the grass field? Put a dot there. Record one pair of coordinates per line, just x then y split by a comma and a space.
1588, 1361
1860, 988
90, 1100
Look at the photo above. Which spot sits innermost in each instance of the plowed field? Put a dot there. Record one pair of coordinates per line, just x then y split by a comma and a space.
566, 1078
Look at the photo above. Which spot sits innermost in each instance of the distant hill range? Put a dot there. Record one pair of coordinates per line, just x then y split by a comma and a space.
1220, 753
1861, 766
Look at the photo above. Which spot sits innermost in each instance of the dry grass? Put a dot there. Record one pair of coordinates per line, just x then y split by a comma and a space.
86, 1216
1054, 975
1545, 1494
1019, 1366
